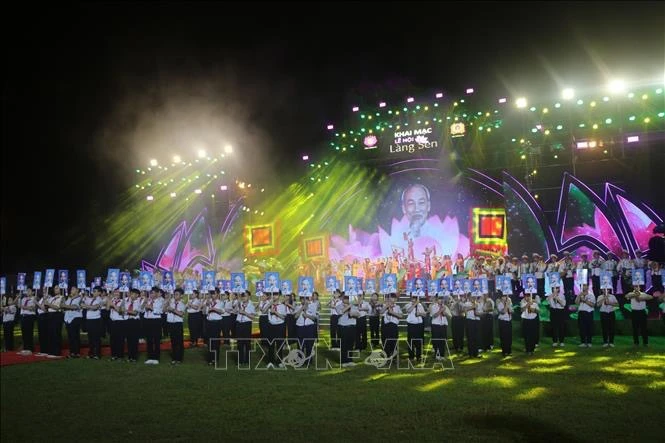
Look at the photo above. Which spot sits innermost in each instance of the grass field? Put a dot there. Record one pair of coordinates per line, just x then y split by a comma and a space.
562, 394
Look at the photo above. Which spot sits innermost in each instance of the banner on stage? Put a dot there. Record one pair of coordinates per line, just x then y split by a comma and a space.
37, 280
237, 282
272, 282
112, 278
80, 279
305, 286
125, 282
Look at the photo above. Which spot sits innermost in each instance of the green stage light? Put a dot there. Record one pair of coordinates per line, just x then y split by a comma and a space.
608, 121
647, 120
631, 118
661, 114
595, 126
580, 102
521, 102
557, 105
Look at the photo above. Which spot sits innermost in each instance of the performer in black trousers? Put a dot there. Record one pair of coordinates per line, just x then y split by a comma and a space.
28, 313
277, 329
504, 308
72, 317
194, 319
306, 314
472, 323
92, 304
586, 302
245, 315
347, 313
42, 323
361, 323
458, 313
607, 303
415, 328
153, 322
440, 315
55, 320
175, 315
392, 313
133, 325
8, 320
334, 301
638, 304
557, 303
214, 326
117, 306
530, 310
264, 325
374, 320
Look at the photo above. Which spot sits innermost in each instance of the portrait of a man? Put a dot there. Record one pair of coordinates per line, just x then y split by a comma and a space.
145, 279
370, 286
555, 279
208, 283
529, 283
259, 287
444, 285
37, 280
63, 279
638, 277
606, 280
306, 285
3, 286
167, 281
80, 279
286, 287
331, 284
237, 282
112, 278
189, 286
272, 281
20, 282
433, 287
350, 285
419, 287
389, 284
125, 281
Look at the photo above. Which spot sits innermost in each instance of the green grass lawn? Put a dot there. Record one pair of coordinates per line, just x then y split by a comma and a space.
562, 394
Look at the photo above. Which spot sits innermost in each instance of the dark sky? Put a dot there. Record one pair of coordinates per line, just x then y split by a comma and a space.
85, 86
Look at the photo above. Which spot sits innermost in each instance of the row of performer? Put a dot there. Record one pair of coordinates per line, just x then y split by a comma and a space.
221, 317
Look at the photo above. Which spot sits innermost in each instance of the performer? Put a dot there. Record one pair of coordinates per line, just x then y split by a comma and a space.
245, 316
364, 309
215, 309
458, 313
391, 316
42, 323
55, 319
133, 311
28, 311
374, 319
557, 303
194, 319
92, 304
306, 314
226, 318
8, 320
334, 338
73, 317
264, 308
415, 328
638, 305
566, 267
440, 315
607, 303
347, 313
596, 265
504, 308
175, 314
290, 319
530, 311
116, 306
153, 322
277, 329
487, 323
586, 303
471, 322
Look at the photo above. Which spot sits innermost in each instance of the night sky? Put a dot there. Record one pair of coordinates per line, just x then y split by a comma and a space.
85, 86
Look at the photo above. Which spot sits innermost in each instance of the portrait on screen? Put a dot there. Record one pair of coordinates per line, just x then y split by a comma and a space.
237, 282
272, 282
638, 277
20, 282
37, 280
529, 284
146, 280
389, 284
305, 286
208, 281
112, 278
125, 282
63, 279
80, 279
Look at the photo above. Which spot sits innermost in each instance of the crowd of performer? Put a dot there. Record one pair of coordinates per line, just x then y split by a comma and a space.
220, 318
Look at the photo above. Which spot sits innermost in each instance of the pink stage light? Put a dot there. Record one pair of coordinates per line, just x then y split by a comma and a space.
503, 100
330, 127
355, 109
439, 94
305, 157
382, 105
633, 139
469, 90
410, 100
223, 188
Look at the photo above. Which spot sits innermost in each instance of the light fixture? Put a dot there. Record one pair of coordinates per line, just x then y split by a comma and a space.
521, 102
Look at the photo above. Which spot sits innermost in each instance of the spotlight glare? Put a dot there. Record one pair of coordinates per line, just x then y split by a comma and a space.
197, 191
616, 86
355, 109
330, 127
305, 157
382, 105
173, 194
503, 100
201, 153
150, 198
439, 95
228, 149
469, 90
521, 102
223, 188
176, 159
410, 100
568, 94
153, 162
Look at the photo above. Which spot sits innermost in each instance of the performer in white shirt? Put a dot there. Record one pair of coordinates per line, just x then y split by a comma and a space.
440, 315
596, 265
334, 333
530, 311
92, 303
28, 311
154, 308
586, 302
117, 304
263, 308
8, 320
638, 305
557, 302
55, 320
42, 322
244, 317
415, 328
392, 313
277, 329
347, 313
471, 321
175, 316
607, 303
133, 309
215, 309
361, 322
194, 319
504, 309
457, 322
487, 323
73, 317
375, 306
306, 314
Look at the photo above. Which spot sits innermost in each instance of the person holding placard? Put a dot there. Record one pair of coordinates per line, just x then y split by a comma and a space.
215, 309
8, 320
596, 266
153, 322
440, 315
415, 328
392, 313
638, 305
92, 304
530, 310
456, 301
55, 320
117, 305
305, 314
42, 322
586, 302
133, 311
557, 303
374, 319
472, 320
194, 319
347, 313
73, 318
277, 328
504, 309
245, 316
175, 315
607, 303
363, 308
486, 323
28, 310
334, 318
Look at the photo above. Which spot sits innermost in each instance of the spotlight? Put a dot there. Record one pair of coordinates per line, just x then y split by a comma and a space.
469, 90
503, 100
223, 188
568, 94
176, 159
153, 162
305, 157
410, 100
521, 102
617, 86
197, 191
173, 194
355, 109
439, 95
228, 149
382, 105
201, 153
330, 127
633, 139
150, 198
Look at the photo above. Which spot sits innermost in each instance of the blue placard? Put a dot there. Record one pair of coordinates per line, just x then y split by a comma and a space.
332, 284
272, 282
112, 278
351, 285
190, 285
125, 282
259, 287
389, 284
168, 283
237, 282
638, 277
146, 280
606, 280
208, 281
81, 279
305, 286
286, 287
370, 286
37, 280
529, 284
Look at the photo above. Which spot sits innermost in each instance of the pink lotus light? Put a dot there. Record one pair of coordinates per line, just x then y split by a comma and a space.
439, 94
382, 105
305, 157
355, 109
330, 127
469, 90
410, 100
